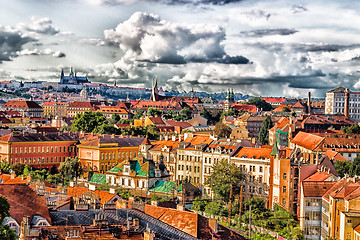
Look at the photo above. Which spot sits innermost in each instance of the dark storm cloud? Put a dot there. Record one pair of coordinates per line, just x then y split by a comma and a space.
268, 32
145, 37
11, 41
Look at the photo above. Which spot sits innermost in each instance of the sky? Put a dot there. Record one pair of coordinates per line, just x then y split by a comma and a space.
268, 48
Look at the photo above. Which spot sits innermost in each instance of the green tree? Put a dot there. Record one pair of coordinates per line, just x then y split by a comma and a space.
215, 208
264, 131
26, 170
65, 128
199, 204
222, 130
260, 103
5, 231
153, 112
115, 118
206, 114
352, 129
88, 121
223, 176
69, 169
231, 112
5, 167
152, 132
184, 114
18, 168
343, 167
355, 167
138, 114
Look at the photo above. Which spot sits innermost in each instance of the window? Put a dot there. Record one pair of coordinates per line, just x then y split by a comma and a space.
283, 202
284, 189
260, 179
260, 169
284, 176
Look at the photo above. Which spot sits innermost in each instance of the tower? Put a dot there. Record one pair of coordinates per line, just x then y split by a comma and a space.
154, 90
229, 100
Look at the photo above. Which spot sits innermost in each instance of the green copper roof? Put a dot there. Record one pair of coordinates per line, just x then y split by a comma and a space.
115, 170
98, 178
135, 166
163, 187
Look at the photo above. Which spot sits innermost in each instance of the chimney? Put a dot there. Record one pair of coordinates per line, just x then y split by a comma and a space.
309, 103
180, 207
179, 138
166, 137
173, 138
12, 174
112, 191
346, 108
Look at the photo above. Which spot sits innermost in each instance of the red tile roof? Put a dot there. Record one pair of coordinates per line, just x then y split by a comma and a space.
245, 107
157, 120
307, 140
257, 153
316, 188
177, 123
79, 191
274, 99
24, 202
21, 104
319, 176
335, 155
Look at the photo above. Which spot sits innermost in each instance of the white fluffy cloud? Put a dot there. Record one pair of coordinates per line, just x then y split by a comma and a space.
145, 37
37, 52
40, 26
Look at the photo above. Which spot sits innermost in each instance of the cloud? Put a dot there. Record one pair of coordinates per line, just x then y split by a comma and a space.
11, 41
168, 2
40, 26
268, 32
37, 52
146, 38
298, 9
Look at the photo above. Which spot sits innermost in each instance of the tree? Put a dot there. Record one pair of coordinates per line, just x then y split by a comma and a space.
260, 103
138, 114
352, 129
153, 112
69, 169
18, 168
152, 132
65, 128
222, 130
5, 231
206, 114
343, 167
26, 170
88, 121
355, 167
264, 131
225, 174
184, 114
5, 167
115, 118
199, 204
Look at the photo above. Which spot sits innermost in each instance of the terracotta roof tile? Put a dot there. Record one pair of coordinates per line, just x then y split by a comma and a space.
79, 191
257, 153
21, 104
24, 202
316, 188
307, 140
318, 176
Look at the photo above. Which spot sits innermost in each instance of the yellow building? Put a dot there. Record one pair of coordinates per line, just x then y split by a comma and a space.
101, 153
55, 109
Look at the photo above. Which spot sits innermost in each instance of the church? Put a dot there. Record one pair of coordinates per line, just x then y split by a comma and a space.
72, 80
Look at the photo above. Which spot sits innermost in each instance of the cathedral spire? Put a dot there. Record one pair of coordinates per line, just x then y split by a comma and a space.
154, 90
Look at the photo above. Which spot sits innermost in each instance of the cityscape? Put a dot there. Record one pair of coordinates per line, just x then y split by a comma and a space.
191, 119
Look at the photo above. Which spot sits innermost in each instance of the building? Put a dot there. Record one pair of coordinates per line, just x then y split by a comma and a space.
255, 163
26, 207
218, 150
71, 81
230, 99
101, 153
189, 158
37, 150
55, 109
25, 108
343, 101
139, 174
80, 107
108, 111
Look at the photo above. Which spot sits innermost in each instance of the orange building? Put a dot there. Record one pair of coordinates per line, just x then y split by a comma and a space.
102, 152
37, 150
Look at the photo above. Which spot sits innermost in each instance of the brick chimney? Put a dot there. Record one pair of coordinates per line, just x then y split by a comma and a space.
346, 109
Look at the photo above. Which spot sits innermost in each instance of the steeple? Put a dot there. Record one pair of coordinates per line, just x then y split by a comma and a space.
154, 91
